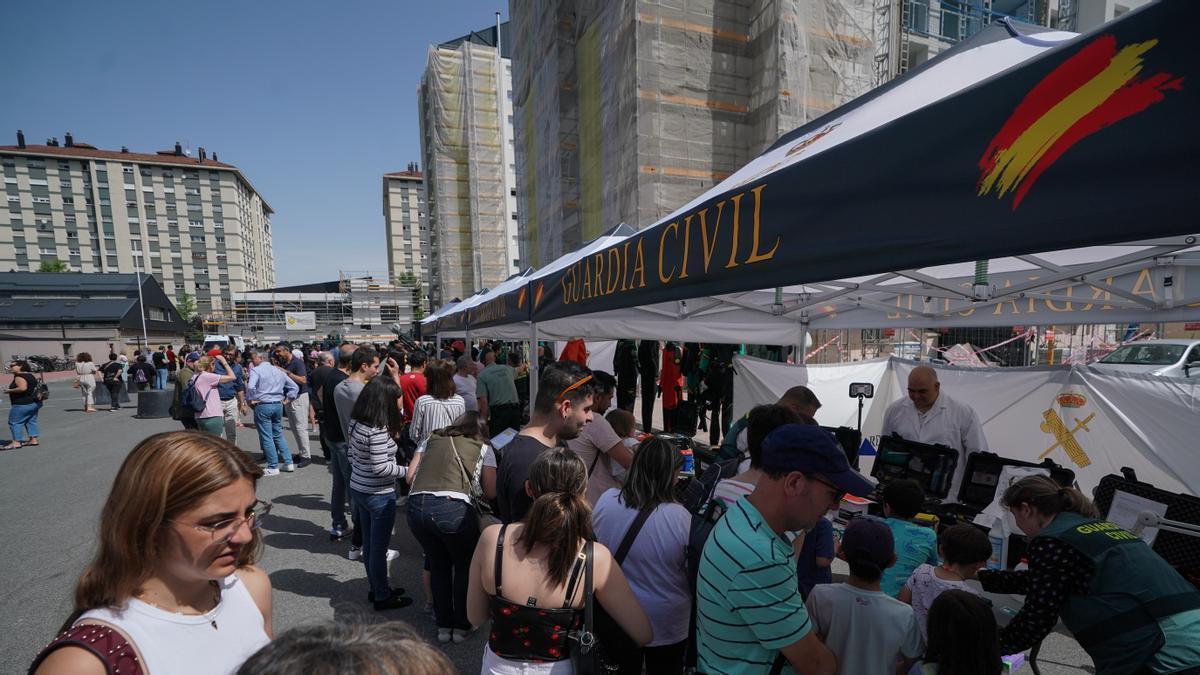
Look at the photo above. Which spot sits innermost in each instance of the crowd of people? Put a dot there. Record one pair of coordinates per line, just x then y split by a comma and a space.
579, 527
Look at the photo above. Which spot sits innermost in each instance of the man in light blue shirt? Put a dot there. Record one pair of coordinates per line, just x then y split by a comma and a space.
268, 390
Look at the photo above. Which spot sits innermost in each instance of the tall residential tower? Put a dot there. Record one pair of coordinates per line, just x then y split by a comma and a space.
407, 229
465, 111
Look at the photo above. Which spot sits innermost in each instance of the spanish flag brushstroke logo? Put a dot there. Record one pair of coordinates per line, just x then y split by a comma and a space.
537, 296
521, 298
1092, 90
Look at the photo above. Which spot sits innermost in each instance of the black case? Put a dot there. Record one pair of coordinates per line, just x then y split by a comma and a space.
932, 466
982, 474
1180, 550
850, 440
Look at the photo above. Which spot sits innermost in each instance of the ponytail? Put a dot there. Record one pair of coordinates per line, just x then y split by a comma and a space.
1048, 497
560, 517
559, 521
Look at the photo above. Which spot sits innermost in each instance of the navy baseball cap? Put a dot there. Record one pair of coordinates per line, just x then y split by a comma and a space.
812, 450
870, 539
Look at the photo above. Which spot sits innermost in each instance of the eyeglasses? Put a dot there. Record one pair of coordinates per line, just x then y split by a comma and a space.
224, 530
837, 492
578, 383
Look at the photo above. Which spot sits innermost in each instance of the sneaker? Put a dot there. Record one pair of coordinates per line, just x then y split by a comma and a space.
444, 635
337, 532
460, 635
289, 467
304, 461
355, 551
270, 472
394, 602
392, 554
396, 590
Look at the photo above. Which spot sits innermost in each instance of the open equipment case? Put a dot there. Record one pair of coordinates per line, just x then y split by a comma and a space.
1181, 551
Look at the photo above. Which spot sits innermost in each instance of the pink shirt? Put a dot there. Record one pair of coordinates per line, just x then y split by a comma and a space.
205, 384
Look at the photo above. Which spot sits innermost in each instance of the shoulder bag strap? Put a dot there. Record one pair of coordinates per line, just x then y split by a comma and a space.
634, 528
588, 590
592, 468
777, 666
573, 582
468, 483
498, 564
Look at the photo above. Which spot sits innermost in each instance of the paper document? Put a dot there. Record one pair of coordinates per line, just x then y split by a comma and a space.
1008, 476
503, 438
1125, 509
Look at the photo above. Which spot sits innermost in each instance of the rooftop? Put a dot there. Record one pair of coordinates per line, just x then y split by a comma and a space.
405, 175
486, 37
44, 282
85, 150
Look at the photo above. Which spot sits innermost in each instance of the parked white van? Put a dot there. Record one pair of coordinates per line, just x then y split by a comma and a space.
1165, 358
220, 341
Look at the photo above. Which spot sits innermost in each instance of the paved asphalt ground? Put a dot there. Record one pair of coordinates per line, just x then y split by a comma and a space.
50, 497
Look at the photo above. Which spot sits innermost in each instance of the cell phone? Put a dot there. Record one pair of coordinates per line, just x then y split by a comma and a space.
688, 470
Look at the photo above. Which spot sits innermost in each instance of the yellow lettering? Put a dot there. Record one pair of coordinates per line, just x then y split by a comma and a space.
662, 239
1145, 284
710, 247
755, 256
737, 209
639, 266
895, 315
687, 243
1070, 305
624, 267
1000, 306
587, 279
614, 270
599, 274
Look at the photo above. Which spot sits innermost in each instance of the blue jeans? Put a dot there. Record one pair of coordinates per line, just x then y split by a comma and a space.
162, 378
377, 516
23, 417
448, 530
340, 495
268, 417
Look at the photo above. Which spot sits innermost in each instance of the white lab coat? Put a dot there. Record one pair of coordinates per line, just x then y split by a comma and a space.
948, 423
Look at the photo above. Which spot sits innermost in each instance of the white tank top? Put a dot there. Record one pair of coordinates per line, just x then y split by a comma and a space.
180, 644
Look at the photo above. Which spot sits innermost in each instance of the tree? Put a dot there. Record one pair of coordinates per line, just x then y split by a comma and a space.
186, 305
53, 265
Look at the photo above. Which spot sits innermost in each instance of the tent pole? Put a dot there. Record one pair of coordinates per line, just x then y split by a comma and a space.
533, 362
800, 347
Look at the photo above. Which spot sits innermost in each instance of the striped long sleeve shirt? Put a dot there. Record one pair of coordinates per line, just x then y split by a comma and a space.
431, 414
372, 454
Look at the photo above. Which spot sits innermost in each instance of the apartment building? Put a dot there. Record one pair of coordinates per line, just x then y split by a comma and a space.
466, 117
407, 230
194, 222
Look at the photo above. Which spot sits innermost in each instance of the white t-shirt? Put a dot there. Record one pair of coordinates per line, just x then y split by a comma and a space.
925, 587
656, 566
614, 467
729, 490
867, 630
464, 386
947, 423
597, 437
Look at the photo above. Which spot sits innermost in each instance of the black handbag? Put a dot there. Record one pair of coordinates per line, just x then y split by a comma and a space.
587, 651
608, 631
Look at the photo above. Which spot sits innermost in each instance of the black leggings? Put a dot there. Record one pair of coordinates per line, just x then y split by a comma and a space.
648, 389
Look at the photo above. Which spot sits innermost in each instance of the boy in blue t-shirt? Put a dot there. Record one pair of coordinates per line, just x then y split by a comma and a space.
915, 544
815, 556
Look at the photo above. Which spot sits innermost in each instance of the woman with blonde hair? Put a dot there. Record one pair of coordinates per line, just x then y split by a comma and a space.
530, 580
212, 418
85, 372
173, 587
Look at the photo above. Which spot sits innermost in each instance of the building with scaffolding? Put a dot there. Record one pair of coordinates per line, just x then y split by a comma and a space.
358, 306
407, 231
465, 113
626, 110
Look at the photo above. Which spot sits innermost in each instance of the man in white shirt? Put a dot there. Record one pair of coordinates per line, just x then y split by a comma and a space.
598, 438
928, 416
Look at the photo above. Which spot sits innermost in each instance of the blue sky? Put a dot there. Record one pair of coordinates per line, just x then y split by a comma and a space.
313, 101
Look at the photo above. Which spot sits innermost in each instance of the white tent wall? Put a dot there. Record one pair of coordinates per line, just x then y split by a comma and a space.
600, 353
1113, 421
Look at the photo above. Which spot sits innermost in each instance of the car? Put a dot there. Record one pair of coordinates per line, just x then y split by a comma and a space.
219, 341
1164, 358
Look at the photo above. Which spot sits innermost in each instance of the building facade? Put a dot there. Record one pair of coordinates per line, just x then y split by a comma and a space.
465, 111
358, 306
407, 230
195, 223
627, 110
55, 316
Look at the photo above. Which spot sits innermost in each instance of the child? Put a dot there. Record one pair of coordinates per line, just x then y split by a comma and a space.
915, 544
963, 639
623, 423
814, 556
869, 631
965, 549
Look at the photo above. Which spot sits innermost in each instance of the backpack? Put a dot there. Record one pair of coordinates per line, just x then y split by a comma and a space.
140, 378
191, 398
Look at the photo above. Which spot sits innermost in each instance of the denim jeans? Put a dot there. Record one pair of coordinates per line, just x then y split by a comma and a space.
268, 417
377, 516
162, 378
448, 530
23, 417
341, 491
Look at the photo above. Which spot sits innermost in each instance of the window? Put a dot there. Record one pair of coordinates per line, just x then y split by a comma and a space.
156, 313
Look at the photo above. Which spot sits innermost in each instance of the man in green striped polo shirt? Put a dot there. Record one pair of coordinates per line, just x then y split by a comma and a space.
750, 612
